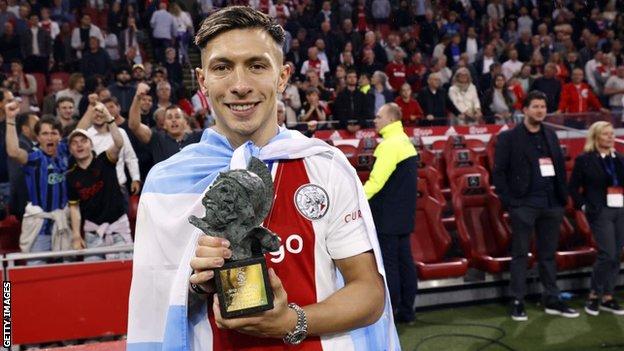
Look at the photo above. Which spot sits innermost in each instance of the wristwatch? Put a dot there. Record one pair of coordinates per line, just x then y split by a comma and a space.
300, 332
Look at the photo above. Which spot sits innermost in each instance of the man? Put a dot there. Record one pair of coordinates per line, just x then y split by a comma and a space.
123, 89
25, 124
512, 66
314, 63
66, 112
81, 34
95, 59
99, 131
36, 47
242, 74
49, 101
614, 89
530, 179
391, 190
94, 194
163, 144
44, 227
433, 101
396, 70
75, 86
352, 107
577, 98
281, 113
410, 109
163, 31
549, 85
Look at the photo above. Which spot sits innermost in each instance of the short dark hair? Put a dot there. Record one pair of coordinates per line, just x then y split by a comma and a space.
22, 120
534, 95
237, 17
64, 99
52, 121
111, 99
351, 71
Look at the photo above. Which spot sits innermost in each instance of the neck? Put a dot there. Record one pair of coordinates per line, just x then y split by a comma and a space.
85, 162
603, 149
379, 87
260, 138
533, 128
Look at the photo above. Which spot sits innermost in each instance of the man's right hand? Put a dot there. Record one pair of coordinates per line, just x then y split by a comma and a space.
211, 253
93, 99
142, 89
78, 243
10, 110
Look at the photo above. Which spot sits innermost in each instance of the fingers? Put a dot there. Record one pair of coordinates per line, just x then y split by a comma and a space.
276, 284
206, 240
204, 263
201, 277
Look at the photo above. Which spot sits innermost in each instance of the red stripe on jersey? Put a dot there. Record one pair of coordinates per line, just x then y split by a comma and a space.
294, 264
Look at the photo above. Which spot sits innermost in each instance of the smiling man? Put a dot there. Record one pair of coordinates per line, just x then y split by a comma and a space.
327, 277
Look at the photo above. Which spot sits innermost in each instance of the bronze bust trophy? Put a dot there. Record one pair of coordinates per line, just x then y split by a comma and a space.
236, 205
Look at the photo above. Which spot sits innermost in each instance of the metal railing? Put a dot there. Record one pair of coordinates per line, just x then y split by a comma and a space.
8, 260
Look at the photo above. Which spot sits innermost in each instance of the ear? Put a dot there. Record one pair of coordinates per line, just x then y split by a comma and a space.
284, 76
201, 80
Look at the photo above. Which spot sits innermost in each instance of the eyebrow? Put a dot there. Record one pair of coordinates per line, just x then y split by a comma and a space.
221, 59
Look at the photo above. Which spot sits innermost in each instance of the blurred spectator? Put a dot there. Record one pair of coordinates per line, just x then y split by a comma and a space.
163, 143
36, 47
433, 101
23, 16
111, 45
498, 102
173, 66
281, 113
184, 31
164, 31
313, 108
465, 99
604, 70
524, 48
369, 64
60, 11
591, 66
138, 73
313, 81
66, 112
429, 32
49, 101
438, 65
63, 52
525, 80
351, 107
349, 35
381, 90
25, 125
396, 70
23, 85
132, 37
513, 65
163, 95
123, 89
371, 42
614, 89
201, 108
577, 97
5, 16
550, 86
410, 109
380, 10
315, 64
5, 190
75, 86
81, 36
295, 55
10, 44
453, 50
292, 102
415, 72
95, 60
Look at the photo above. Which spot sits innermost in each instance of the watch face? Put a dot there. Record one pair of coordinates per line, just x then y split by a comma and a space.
298, 336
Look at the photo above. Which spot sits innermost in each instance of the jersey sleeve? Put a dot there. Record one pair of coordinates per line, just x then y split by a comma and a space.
346, 230
72, 192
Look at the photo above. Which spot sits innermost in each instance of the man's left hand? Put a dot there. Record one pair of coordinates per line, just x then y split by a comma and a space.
274, 323
135, 187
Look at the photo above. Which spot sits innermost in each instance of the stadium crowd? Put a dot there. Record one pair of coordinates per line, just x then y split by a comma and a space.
76, 70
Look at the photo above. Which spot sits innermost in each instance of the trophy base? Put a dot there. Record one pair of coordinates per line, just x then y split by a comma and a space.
243, 287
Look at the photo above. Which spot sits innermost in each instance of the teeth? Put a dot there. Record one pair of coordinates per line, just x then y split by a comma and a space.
241, 107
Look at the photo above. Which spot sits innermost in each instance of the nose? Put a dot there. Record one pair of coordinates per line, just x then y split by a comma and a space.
240, 86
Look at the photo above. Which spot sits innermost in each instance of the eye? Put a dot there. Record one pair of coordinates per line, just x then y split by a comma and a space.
257, 67
220, 68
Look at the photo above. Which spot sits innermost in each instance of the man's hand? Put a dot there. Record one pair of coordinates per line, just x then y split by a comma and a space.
430, 117
10, 111
275, 323
211, 253
142, 89
100, 108
78, 243
135, 187
93, 99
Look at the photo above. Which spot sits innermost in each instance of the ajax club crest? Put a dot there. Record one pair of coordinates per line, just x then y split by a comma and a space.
312, 201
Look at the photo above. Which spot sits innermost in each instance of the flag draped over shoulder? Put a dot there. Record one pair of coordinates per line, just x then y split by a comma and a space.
159, 317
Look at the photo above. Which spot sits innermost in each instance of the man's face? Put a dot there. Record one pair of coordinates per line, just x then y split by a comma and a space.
164, 92
241, 74
66, 110
406, 91
56, 86
312, 98
312, 53
80, 84
170, 55
80, 147
513, 55
175, 123
535, 112
577, 76
48, 139
34, 21
382, 118
94, 43
123, 77
433, 82
113, 108
138, 74
85, 21
146, 103
352, 79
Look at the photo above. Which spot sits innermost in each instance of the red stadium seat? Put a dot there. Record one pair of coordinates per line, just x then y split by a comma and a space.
459, 161
574, 251
490, 150
42, 85
433, 179
479, 219
350, 152
430, 241
10, 229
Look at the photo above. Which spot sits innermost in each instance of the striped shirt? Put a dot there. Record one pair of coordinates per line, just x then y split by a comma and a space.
45, 178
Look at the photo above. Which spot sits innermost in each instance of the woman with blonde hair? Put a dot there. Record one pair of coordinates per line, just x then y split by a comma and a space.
465, 99
596, 188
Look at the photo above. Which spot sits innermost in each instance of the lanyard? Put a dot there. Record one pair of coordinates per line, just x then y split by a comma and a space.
609, 167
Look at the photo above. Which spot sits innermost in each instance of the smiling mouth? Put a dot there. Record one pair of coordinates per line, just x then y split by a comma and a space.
242, 107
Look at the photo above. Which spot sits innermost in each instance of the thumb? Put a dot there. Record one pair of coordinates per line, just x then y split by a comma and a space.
276, 285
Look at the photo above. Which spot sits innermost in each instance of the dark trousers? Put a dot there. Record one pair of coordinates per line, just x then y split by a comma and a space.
400, 273
608, 230
546, 223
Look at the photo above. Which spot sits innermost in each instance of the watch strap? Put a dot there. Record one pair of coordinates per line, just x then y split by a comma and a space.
300, 332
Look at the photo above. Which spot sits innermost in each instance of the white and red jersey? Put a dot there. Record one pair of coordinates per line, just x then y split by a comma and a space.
316, 216
320, 66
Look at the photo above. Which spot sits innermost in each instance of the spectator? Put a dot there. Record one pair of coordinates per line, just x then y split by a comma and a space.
396, 70
595, 186
314, 109
415, 72
391, 190
111, 45
410, 109
604, 70
94, 195
63, 52
578, 98
132, 37
529, 175
351, 108
465, 99
453, 50
25, 125
115, 21
429, 32
138, 73
380, 10
371, 42
590, 68
471, 45
45, 216
95, 60
163, 94
313, 81
164, 31
173, 66
292, 102
5, 16
393, 44
526, 81
10, 43
123, 89
614, 89
81, 36
369, 64
280, 109
549, 85
66, 113
49, 101
23, 85
184, 31
348, 35
163, 143
433, 101
512, 66
381, 90
315, 64
75, 87
524, 48
36, 46
5, 187
498, 102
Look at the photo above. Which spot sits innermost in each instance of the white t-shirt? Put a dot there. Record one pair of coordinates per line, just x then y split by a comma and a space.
615, 82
